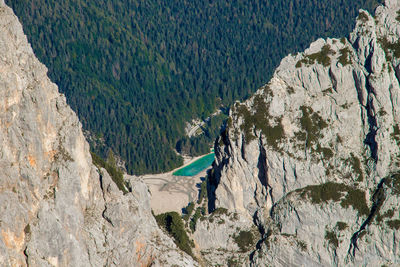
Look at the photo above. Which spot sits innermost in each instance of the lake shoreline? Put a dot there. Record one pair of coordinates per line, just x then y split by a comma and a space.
170, 192
203, 162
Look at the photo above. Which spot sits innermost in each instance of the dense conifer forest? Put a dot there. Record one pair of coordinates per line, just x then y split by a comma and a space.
135, 71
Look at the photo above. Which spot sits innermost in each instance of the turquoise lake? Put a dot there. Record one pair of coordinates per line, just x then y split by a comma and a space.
196, 167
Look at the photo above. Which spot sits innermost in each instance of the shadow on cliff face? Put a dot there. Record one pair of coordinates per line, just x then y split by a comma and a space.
212, 185
262, 165
370, 139
214, 174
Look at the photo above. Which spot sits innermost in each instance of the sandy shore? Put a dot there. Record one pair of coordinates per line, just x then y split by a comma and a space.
172, 193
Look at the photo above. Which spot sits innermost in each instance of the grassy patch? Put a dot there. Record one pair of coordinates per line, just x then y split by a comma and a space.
302, 244
387, 214
300, 136
63, 154
393, 182
220, 211
396, 134
332, 239
341, 226
233, 262
391, 49
311, 124
188, 211
328, 153
173, 224
356, 165
274, 134
116, 175
194, 219
322, 193
229, 123
344, 57
322, 57
325, 151
355, 198
260, 120
244, 240
382, 113
27, 229
203, 191
348, 196
394, 224
345, 106
363, 17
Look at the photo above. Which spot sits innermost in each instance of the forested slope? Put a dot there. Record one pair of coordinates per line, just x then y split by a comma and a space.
136, 71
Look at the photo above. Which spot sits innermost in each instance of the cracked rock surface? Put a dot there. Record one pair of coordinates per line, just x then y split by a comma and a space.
312, 158
56, 207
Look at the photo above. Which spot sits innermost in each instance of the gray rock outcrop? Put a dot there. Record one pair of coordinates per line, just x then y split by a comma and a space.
56, 207
313, 157
307, 171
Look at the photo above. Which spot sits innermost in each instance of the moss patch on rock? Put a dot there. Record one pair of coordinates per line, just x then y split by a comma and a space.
260, 120
322, 57
356, 166
311, 124
346, 195
332, 239
244, 240
341, 226
396, 134
393, 182
391, 49
344, 57
362, 17
394, 224
112, 169
387, 214
173, 224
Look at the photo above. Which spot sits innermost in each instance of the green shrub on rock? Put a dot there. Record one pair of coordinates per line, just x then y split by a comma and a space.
173, 224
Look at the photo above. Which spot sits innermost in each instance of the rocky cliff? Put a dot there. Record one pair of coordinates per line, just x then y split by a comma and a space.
312, 159
56, 207
307, 171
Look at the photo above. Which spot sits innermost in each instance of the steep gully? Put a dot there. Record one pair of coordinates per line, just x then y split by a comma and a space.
370, 141
215, 173
378, 199
263, 177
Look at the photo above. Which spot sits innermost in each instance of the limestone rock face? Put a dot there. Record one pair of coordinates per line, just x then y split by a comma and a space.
313, 156
56, 207
218, 237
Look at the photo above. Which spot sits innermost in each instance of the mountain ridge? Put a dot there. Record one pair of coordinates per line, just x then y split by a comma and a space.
56, 207
316, 151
